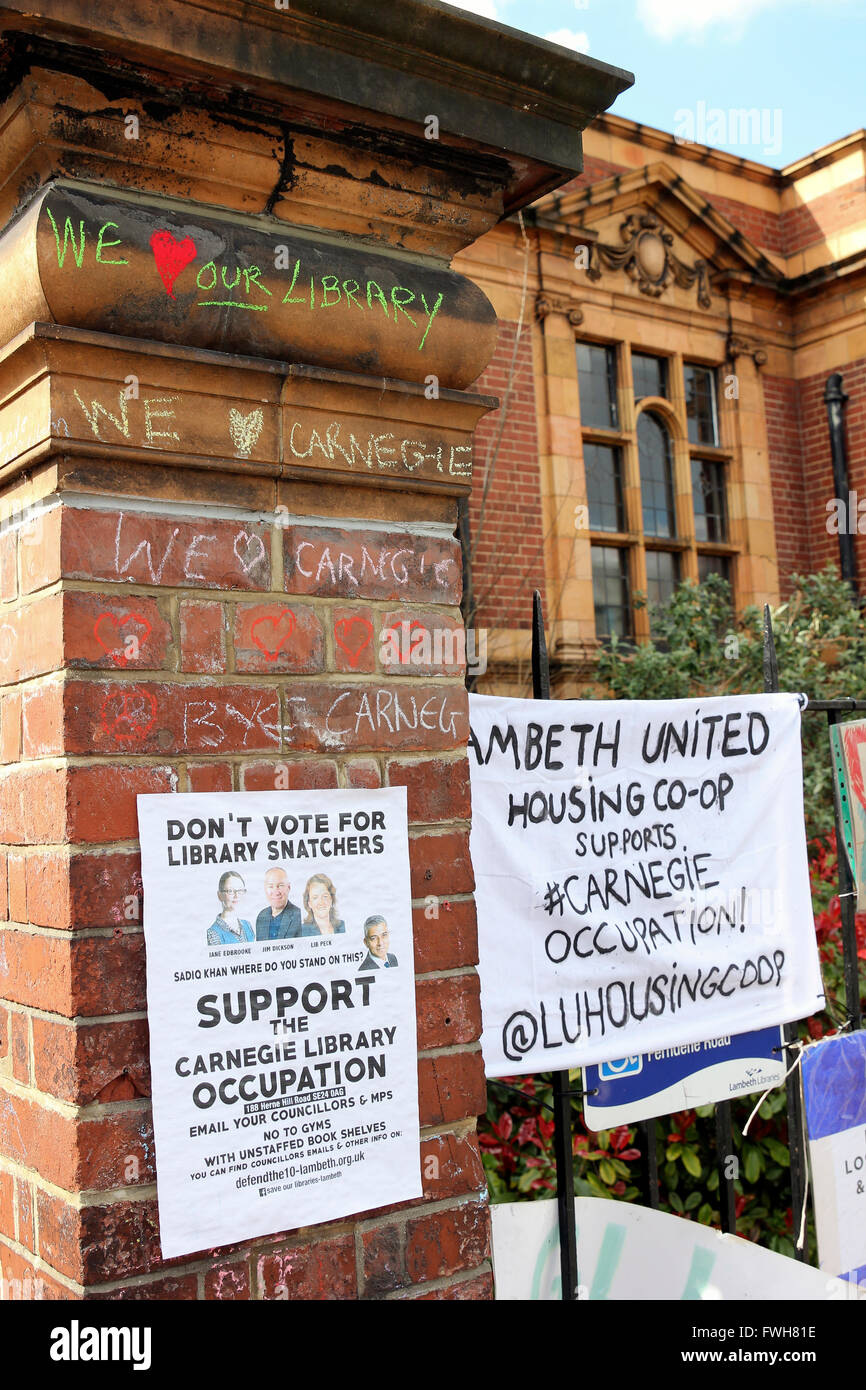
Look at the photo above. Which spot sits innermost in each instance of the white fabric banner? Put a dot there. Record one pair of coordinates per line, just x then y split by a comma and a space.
281, 1005
627, 1252
641, 875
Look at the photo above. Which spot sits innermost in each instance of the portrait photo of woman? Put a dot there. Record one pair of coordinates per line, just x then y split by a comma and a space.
320, 907
229, 928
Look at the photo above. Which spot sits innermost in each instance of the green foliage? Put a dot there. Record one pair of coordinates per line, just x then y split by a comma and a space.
700, 647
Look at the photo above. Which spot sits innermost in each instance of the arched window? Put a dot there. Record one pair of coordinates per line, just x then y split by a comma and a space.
655, 456
656, 476
678, 521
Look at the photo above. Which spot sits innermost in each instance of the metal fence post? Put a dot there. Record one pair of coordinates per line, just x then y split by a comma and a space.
790, 1032
562, 1134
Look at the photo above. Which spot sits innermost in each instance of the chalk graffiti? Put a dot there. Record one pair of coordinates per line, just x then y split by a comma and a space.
237, 286
345, 566
249, 551
406, 642
97, 409
201, 730
252, 276
22, 435
254, 551
245, 429
353, 636
271, 634
121, 423
379, 451
387, 706
334, 442
171, 257
121, 646
150, 414
144, 548
8, 642
127, 715
78, 247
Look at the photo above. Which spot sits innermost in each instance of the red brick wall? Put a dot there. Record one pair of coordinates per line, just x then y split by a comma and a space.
508, 560
824, 216
817, 461
763, 228
594, 171
781, 405
202, 705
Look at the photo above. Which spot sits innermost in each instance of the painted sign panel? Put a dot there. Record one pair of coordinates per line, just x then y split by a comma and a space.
641, 875
848, 746
628, 1089
281, 1005
629, 1252
834, 1087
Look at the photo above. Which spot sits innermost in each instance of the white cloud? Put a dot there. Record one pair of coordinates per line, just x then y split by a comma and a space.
671, 19
569, 39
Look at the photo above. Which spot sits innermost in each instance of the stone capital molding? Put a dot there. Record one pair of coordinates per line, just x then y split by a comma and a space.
557, 304
647, 258
738, 346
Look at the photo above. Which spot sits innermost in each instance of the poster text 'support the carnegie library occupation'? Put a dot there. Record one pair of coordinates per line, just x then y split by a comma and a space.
641, 875
281, 1004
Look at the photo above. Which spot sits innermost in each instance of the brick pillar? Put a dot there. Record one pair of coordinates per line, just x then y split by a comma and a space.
209, 517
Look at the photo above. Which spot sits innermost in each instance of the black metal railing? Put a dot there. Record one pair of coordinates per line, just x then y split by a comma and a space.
564, 1091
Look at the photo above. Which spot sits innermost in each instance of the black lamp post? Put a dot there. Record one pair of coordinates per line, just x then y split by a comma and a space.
835, 400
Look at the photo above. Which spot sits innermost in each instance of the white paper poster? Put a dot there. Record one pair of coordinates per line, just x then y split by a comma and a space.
641, 875
281, 1006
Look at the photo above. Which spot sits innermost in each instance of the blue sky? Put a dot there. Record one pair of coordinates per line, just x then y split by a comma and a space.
800, 63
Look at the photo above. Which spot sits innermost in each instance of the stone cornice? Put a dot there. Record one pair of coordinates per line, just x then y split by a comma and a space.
485, 83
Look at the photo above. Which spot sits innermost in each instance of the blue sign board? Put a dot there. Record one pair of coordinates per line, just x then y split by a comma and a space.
641, 1087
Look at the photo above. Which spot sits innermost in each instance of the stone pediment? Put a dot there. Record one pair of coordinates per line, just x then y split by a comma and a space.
659, 231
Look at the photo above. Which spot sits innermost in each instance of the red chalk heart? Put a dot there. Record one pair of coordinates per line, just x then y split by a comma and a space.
114, 643
416, 633
353, 643
273, 642
171, 257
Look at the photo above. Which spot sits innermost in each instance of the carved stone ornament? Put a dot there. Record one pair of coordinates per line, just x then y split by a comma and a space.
647, 258
555, 304
741, 347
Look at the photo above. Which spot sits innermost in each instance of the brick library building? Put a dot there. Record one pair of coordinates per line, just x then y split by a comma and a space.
668, 324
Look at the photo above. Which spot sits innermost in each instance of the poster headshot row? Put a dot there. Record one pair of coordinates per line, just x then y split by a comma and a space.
282, 919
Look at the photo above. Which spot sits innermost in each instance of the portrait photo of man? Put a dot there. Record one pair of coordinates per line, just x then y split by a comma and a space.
281, 918
377, 939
